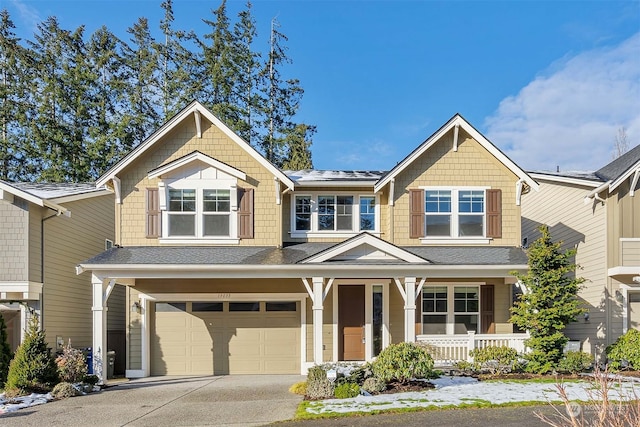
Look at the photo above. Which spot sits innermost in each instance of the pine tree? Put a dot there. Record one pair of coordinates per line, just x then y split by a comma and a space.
32, 368
299, 148
5, 352
549, 301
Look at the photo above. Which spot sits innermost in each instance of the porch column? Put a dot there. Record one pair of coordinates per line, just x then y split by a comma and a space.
318, 306
101, 292
410, 309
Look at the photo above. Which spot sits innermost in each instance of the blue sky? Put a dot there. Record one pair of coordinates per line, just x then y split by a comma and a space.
549, 82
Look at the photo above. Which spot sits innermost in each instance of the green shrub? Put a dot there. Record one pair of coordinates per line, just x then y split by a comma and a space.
72, 366
537, 362
318, 386
466, 367
91, 379
626, 348
347, 390
360, 374
498, 360
299, 388
5, 352
32, 368
374, 385
64, 390
575, 361
403, 362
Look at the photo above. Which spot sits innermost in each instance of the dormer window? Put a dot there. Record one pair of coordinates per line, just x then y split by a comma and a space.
333, 215
199, 201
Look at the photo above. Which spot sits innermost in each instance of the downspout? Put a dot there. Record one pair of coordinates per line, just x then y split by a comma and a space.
392, 188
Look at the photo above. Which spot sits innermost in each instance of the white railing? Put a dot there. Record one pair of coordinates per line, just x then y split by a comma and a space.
453, 348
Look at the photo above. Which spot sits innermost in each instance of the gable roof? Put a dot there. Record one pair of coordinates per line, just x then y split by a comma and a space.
197, 156
365, 239
456, 120
621, 168
50, 195
194, 108
324, 178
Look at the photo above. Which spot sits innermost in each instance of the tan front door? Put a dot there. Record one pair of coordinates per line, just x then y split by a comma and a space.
351, 322
634, 310
226, 338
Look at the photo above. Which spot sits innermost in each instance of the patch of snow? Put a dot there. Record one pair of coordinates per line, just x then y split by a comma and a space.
456, 391
12, 405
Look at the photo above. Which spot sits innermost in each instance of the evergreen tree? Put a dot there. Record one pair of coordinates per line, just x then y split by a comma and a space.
5, 352
32, 368
549, 301
15, 150
299, 146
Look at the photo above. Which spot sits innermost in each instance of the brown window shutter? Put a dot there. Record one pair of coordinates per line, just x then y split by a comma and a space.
245, 213
416, 214
153, 213
487, 302
494, 213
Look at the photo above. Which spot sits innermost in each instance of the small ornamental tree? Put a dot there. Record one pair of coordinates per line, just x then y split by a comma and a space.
548, 303
32, 368
5, 352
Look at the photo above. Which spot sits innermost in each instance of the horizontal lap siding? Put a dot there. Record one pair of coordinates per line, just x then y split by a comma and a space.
562, 208
69, 241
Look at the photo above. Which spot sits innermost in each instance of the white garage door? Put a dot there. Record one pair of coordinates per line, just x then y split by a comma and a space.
206, 338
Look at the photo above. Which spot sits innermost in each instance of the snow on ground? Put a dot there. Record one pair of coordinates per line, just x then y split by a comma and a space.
465, 390
23, 402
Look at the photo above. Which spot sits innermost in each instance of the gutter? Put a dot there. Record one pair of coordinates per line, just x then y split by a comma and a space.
594, 194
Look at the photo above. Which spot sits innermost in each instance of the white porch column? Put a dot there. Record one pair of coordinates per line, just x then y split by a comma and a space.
410, 309
318, 305
101, 292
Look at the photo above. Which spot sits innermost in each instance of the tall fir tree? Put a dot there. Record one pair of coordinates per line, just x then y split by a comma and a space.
549, 301
299, 147
16, 152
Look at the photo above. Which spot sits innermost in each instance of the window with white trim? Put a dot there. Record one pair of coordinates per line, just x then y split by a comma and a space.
199, 212
450, 309
454, 213
333, 214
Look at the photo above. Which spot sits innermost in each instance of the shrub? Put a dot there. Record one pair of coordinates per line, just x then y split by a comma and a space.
32, 368
347, 390
575, 361
318, 386
72, 366
374, 385
299, 388
91, 379
360, 374
403, 362
498, 360
466, 367
625, 348
5, 352
64, 390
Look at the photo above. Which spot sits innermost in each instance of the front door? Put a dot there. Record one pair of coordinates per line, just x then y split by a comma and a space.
351, 322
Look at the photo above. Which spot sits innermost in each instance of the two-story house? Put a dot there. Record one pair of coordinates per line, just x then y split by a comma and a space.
234, 266
45, 231
599, 214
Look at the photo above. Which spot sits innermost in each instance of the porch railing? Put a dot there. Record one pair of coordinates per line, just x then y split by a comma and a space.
453, 348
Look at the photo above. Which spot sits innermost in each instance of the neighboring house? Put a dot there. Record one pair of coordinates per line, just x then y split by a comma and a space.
234, 266
599, 214
45, 230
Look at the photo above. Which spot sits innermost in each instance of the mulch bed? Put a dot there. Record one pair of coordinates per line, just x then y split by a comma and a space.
410, 386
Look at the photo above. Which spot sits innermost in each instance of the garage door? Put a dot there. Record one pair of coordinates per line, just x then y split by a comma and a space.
205, 338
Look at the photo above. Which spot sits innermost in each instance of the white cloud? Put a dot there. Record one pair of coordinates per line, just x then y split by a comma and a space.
570, 116
28, 14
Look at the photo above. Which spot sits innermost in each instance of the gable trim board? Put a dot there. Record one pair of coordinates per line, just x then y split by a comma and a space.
197, 109
455, 122
8, 188
193, 157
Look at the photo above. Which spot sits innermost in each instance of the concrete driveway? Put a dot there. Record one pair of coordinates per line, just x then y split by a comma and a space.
239, 400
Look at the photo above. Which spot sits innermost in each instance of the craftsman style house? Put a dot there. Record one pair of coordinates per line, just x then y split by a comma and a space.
45, 231
599, 214
234, 266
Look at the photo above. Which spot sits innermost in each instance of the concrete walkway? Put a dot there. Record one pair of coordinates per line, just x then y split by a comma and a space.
239, 400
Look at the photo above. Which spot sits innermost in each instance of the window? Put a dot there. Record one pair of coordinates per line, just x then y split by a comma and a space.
216, 212
206, 306
457, 213
244, 306
450, 309
281, 306
329, 213
182, 212
367, 213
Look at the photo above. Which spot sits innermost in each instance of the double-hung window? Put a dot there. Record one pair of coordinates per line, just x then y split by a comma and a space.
454, 213
216, 212
450, 309
333, 213
182, 212
199, 212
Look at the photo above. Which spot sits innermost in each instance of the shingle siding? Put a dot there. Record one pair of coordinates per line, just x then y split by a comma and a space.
14, 242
